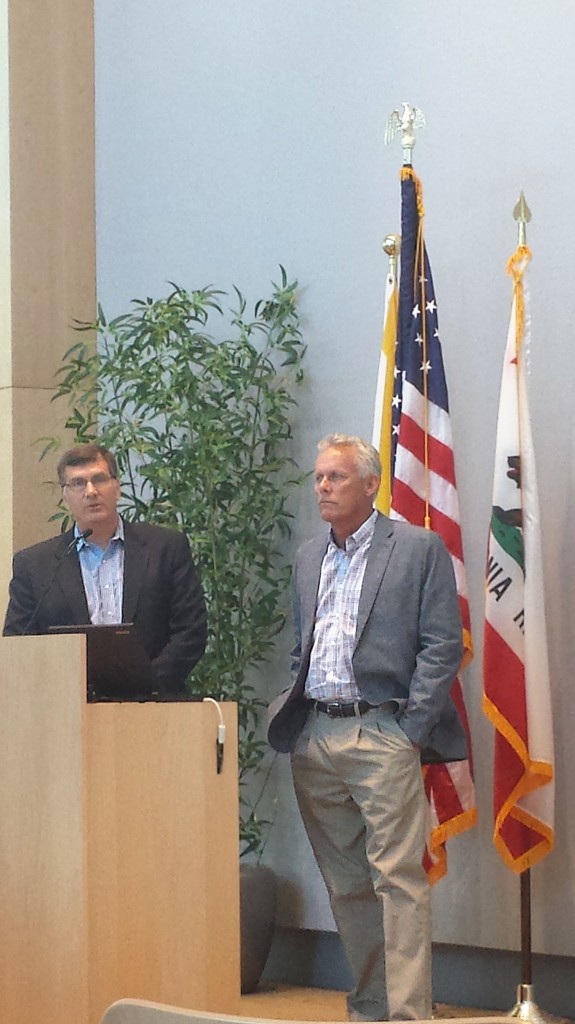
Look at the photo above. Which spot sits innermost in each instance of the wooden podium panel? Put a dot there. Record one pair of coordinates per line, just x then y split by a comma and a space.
163, 874
43, 898
119, 872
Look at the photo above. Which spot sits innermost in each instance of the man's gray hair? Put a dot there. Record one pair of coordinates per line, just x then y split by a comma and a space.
368, 461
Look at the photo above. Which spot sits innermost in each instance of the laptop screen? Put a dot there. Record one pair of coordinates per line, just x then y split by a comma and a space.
118, 667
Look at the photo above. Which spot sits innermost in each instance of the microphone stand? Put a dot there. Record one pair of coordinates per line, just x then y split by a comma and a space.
82, 536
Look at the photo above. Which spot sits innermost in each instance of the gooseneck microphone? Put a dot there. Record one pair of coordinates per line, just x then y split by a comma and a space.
70, 547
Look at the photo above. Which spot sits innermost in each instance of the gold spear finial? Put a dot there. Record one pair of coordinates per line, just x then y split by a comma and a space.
522, 214
392, 246
405, 121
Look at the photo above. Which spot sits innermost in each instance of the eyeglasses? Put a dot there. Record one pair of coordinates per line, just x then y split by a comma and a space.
98, 481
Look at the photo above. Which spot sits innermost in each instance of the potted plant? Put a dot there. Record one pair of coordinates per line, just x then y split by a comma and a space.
200, 414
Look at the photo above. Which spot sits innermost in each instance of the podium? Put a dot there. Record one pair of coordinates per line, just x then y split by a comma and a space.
119, 869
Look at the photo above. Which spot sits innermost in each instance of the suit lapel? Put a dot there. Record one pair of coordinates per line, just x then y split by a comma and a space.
308, 584
377, 562
309, 577
135, 565
69, 579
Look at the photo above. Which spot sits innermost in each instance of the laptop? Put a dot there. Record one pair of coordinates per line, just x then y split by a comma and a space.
118, 668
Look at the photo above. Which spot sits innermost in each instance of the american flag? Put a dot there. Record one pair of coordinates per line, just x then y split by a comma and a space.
423, 487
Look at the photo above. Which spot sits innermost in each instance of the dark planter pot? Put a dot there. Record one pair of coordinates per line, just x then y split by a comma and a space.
258, 893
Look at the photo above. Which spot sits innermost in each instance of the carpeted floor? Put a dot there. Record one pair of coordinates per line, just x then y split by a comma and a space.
282, 1002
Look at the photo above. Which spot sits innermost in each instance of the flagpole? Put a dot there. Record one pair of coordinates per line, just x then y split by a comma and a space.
382, 418
525, 1008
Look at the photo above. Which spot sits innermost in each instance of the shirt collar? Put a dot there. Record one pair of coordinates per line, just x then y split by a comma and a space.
363, 535
82, 543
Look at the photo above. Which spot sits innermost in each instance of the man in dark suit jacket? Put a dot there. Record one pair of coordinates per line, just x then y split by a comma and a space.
117, 572
378, 645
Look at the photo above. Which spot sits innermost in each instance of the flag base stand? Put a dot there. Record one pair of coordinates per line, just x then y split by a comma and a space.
527, 1010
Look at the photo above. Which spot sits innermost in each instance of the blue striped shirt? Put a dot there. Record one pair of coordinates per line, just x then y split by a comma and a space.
103, 576
330, 675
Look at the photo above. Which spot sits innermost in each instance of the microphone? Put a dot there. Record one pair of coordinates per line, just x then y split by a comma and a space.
82, 536
70, 547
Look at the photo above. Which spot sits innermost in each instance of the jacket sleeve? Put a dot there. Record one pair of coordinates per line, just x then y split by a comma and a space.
22, 600
186, 620
296, 650
440, 648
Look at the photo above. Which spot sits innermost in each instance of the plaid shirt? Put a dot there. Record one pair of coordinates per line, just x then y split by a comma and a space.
330, 675
103, 576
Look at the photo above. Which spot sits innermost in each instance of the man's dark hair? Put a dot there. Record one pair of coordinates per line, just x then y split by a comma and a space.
82, 455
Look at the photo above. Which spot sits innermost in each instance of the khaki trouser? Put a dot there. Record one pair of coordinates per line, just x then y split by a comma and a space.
359, 787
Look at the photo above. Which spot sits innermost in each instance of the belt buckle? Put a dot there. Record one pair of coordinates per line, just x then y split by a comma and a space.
333, 709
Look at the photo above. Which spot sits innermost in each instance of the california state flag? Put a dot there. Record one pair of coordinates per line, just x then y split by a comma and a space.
517, 697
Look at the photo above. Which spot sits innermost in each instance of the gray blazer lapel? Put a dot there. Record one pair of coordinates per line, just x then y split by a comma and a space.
377, 561
309, 572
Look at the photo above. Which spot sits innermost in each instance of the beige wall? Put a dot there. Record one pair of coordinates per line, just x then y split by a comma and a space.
47, 240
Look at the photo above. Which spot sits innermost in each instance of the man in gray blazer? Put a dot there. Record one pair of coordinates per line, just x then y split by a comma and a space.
105, 570
378, 645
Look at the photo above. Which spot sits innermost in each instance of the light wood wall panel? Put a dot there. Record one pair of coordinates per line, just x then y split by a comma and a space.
47, 239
